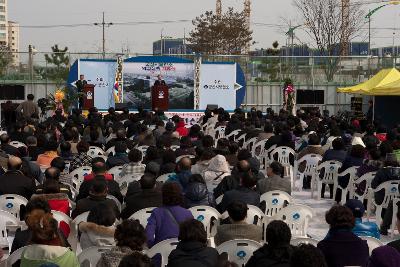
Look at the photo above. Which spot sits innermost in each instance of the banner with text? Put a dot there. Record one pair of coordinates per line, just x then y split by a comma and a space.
217, 85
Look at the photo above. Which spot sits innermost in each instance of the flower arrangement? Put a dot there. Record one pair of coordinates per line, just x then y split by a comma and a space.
288, 96
62, 99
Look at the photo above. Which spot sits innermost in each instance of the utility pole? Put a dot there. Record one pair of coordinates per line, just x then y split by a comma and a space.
104, 24
218, 8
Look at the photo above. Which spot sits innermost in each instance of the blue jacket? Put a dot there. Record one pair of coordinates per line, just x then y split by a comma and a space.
366, 229
182, 178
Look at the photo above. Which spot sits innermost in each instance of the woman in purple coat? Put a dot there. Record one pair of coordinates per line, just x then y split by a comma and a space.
164, 221
341, 247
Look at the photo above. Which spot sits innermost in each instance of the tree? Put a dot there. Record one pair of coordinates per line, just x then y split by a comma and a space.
59, 58
330, 29
225, 34
271, 64
5, 58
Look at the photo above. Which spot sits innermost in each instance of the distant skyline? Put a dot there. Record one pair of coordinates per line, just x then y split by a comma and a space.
139, 38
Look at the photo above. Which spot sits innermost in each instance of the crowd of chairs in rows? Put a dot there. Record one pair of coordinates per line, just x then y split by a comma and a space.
279, 206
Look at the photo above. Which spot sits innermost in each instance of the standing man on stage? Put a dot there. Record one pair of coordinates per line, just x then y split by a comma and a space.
80, 85
159, 81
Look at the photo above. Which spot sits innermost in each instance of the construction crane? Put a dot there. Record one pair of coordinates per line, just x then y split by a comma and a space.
247, 12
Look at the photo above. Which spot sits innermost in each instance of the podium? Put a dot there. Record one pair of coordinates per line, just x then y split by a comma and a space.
160, 97
88, 98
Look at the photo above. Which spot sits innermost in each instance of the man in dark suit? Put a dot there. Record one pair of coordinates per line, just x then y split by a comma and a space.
6, 147
159, 81
97, 194
148, 195
80, 85
245, 193
15, 182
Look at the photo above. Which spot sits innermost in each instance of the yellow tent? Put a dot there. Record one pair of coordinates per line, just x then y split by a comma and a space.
385, 82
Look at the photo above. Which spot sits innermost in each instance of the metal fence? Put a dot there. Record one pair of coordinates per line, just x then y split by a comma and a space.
265, 75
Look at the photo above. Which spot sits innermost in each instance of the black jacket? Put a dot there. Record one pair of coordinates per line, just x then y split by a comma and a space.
228, 183
193, 254
384, 175
15, 182
248, 196
90, 202
9, 149
145, 198
266, 256
113, 189
117, 160
196, 194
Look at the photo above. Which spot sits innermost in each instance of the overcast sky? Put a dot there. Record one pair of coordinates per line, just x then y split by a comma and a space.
139, 38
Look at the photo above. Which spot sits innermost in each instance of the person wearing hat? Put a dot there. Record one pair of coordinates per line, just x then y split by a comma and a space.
390, 172
362, 228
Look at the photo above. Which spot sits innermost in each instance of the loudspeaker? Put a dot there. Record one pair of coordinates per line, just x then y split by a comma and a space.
121, 106
212, 107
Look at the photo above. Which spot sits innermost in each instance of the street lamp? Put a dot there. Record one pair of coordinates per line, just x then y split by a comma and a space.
369, 15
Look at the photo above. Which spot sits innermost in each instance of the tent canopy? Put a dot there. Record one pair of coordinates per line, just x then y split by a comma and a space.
385, 82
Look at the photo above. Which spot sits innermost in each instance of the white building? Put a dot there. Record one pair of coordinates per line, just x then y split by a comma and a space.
3, 22
13, 41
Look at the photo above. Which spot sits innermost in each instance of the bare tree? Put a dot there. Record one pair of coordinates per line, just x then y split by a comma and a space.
330, 24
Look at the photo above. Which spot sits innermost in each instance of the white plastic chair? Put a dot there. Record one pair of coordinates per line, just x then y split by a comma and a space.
233, 134
116, 201
17, 144
331, 173
367, 178
219, 132
275, 201
250, 143
174, 147
62, 217
311, 161
163, 248
15, 256
373, 243
394, 216
391, 190
184, 156
92, 255
142, 215
163, 178
73, 236
259, 148
95, 151
241, 138
352, 173
116, 171
110, 151
239, 250
124, 181
303, 240
265, 158
78, 175
296, 216
143, 149
6, 220
206, 215
12, 203
254, 213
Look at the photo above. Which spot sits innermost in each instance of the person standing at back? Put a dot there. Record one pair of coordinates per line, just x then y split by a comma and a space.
28, 107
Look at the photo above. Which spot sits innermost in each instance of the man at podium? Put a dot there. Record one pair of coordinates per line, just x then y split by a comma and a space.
160, 95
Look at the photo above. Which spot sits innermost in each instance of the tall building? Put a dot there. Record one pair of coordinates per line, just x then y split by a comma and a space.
170, 46
13, 40
3, 23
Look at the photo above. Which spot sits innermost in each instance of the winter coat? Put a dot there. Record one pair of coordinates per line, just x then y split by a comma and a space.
113, 257
15, 182
267, 256
384, 256
36, 255
384, 175
275, 182
144, 198
96, 235
366, 229
344, 248
164, 223
196, 194
247, 195
193, 254
226, 232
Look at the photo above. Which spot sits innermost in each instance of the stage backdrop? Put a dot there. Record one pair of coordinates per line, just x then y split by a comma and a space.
140, 73
217, 85
101, 73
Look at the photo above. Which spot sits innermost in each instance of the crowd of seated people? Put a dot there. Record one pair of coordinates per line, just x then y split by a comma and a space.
201, 171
